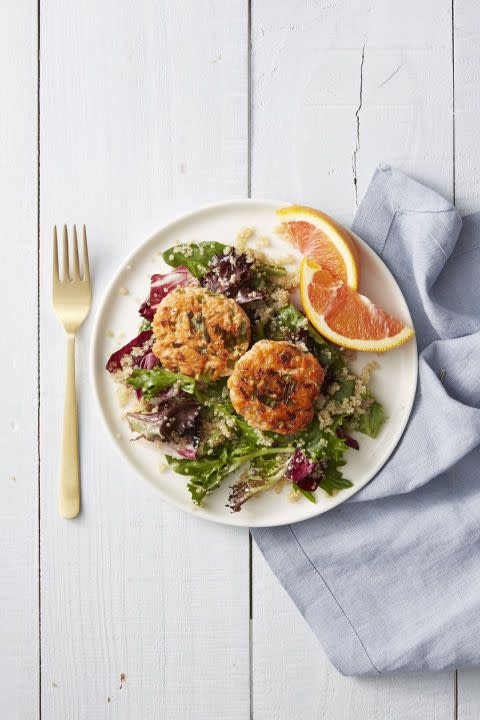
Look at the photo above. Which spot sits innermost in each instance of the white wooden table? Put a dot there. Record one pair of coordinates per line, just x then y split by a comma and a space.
120, 114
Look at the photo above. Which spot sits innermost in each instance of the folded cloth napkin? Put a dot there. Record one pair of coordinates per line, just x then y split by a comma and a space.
389, 581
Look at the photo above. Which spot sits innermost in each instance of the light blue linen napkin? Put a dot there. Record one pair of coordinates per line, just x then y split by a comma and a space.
390, 580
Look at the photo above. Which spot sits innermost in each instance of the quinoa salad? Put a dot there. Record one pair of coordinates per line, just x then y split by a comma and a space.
227, 374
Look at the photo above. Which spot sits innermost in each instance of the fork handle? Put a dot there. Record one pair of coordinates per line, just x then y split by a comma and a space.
69, 500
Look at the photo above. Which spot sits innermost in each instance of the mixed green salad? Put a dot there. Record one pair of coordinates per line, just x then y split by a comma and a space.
193, 421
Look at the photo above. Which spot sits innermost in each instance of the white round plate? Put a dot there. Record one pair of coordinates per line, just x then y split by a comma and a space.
393, 383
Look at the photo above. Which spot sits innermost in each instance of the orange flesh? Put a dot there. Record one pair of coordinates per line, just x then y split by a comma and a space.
347, 312
316, 245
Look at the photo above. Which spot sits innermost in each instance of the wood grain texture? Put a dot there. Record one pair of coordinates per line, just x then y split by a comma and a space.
143, 115
467, 197
19, 661
467, 105
293, 678
357, 84
339, 87
468, 694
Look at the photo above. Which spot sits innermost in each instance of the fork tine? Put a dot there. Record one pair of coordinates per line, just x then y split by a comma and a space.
86, 266
56, 276
65, 261
76, 263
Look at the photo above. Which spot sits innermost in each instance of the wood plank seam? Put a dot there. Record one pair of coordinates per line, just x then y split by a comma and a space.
249, 194
453, 103
39, 554
455, 673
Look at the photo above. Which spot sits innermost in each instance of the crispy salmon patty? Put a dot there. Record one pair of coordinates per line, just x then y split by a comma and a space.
274, 386
200, 333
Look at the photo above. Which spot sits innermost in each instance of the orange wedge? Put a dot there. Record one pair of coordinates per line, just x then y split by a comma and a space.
323, 240
344, 316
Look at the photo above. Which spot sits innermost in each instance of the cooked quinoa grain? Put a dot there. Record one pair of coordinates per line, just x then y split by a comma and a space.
243, 236
263, 242
328, 408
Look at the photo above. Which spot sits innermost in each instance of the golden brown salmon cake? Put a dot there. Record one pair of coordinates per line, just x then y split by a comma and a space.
200, 333
274, 386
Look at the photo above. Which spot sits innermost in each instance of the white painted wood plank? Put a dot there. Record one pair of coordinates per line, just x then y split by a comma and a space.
467, 105
308, 147
19, 661
468, 693
144, 114
307, 72
467, 198
293, 678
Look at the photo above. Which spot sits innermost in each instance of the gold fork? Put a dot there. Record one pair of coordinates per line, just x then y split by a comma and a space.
71, 301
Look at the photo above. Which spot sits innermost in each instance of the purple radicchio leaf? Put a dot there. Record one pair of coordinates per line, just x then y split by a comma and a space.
299, 466
349, 440
114, 363
165, 394
183, 448
245, 295
305, 473
230, 275
168, 393
161, 286
174, 423
187, 451
148, 361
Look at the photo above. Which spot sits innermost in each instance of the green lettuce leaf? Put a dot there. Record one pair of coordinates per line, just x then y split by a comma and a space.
345, 390
206, 474
151, 382
195, 256
319, 444
306, 493
286, 318
333, 479
290, 323
145, 325
371, 422
263, 473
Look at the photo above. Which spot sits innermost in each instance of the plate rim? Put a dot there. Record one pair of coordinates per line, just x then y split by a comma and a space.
94, 372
